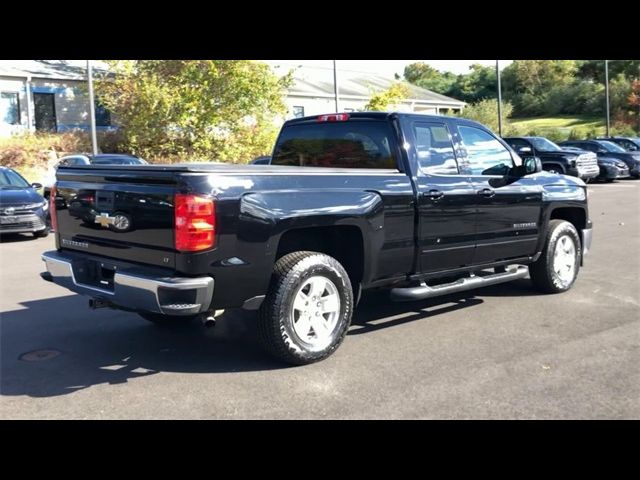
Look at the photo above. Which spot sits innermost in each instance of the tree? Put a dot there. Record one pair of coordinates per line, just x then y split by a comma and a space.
634, 100
425, 76
528, 83
214, 109
382, 100
593, 70
486, 112
480, 83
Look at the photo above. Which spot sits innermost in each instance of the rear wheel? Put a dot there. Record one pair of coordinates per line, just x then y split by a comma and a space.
557, 268
307, 312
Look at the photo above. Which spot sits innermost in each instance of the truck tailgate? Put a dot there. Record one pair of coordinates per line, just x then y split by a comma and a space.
124, 213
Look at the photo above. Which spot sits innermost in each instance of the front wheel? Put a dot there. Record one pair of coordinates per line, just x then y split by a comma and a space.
307, 311
557, 268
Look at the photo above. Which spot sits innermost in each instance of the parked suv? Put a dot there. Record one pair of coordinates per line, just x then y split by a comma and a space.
554, 159
607, 150
22, 208
630, 144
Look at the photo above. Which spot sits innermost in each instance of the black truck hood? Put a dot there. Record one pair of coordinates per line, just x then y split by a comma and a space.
560, 153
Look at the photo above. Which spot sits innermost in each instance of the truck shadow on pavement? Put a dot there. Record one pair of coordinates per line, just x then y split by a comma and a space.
113, 347
17, 237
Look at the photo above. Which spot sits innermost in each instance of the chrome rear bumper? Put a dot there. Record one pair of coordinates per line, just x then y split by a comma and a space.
136, 291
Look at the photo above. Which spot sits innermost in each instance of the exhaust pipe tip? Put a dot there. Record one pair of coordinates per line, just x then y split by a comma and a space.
208, 321
95, 303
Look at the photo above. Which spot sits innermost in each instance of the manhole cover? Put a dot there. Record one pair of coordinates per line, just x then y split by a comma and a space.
39, 355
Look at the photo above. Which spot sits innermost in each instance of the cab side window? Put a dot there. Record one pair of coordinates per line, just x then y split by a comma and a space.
589, 147
434, 148
485, 154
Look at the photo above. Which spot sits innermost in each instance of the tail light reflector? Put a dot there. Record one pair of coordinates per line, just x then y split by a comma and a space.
334, 117
195, 223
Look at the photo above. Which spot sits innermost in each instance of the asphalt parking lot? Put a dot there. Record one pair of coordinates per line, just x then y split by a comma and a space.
498, 352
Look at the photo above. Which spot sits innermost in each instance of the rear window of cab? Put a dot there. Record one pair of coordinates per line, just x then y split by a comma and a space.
346, 144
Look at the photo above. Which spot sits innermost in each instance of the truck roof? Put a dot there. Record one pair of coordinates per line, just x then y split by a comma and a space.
384, 116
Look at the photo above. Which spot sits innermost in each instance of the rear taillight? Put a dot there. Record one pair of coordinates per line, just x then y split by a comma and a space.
334, 117
52, 209
195, 223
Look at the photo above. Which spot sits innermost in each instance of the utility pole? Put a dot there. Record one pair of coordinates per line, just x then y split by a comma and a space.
499, 98
606, 89
92, 110
335, 86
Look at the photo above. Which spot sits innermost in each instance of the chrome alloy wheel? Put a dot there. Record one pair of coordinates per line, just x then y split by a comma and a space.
121, 223
315, 311
564, 259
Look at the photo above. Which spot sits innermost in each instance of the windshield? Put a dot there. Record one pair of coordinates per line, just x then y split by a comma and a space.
611, 147
117, 161
544, 145
10, 179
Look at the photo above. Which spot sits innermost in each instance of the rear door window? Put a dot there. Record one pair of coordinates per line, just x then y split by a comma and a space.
348, 144
434, 148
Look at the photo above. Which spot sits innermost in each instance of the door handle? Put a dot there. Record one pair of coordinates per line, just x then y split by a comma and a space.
486, 192
434, 194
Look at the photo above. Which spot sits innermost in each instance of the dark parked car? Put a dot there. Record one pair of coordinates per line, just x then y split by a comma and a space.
421, 205
85, 159
22, 208
630, 144
554, 159
607, 150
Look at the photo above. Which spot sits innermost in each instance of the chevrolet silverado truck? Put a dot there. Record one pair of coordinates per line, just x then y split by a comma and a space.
414, 204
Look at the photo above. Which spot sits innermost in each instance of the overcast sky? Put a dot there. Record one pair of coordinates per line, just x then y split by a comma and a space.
386, 67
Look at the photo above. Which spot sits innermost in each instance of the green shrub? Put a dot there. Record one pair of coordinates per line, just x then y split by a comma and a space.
486, 113
623, 130
583, 133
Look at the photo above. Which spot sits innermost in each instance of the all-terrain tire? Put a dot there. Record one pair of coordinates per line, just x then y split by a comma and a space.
276, 319
543, 274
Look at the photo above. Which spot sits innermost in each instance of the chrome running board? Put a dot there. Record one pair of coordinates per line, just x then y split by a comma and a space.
475, 281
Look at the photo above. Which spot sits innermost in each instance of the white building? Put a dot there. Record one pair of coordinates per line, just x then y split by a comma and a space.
51, 95
313, 94
45, 95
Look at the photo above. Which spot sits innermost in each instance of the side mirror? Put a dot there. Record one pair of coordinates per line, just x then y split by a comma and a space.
36, 185
532, 165
525, 151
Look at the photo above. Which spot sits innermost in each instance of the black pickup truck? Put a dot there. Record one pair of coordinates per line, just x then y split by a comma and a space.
583, 165
419, 205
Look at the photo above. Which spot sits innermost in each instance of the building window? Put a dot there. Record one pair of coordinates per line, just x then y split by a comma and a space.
10, 108
298, 112
103, 116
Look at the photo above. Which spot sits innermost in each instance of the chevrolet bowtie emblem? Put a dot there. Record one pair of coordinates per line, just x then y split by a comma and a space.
104, 220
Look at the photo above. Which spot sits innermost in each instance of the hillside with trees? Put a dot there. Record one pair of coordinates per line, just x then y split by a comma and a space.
544, 88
